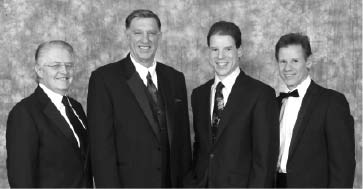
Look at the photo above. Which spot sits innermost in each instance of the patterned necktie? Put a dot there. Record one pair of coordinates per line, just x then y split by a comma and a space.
217, 110
77, 125
152, 89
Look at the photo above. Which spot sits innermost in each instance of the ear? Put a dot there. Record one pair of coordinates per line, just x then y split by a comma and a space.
239, 52
309, 63
38, 70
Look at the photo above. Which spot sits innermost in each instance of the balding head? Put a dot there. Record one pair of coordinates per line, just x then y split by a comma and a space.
54, 65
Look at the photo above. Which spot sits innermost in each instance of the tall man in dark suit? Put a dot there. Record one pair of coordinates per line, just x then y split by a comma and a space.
46, 137
235, 120
316, 128
138, 114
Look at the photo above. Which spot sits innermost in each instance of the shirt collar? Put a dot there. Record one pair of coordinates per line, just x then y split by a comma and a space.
142, 70
54, 97
228, 81
302, 87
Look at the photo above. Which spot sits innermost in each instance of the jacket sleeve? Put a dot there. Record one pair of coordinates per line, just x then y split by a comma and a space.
340, 142
101, 134
265, 140
22, 148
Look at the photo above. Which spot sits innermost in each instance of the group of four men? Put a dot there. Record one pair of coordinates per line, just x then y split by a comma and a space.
136, 133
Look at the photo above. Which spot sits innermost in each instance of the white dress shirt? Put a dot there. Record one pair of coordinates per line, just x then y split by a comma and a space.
142, 71
228, 83
288, 115
56, 99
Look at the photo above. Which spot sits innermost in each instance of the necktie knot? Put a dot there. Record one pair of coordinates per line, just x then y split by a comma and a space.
293, 93
65, 101
219, 87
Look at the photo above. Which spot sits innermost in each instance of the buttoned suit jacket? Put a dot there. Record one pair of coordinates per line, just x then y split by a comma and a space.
124, 135
41, 148
321, 152
246, 147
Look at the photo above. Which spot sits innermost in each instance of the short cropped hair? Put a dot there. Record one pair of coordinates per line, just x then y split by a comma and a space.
44, 47
225, 28
142, 13
294, 39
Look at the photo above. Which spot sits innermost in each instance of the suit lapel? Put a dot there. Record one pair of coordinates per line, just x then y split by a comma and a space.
305, 111
233, 104
53, 114
204, 103
138, 89
163, 87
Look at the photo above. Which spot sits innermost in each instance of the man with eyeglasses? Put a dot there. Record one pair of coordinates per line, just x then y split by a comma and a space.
138, 114
46, 134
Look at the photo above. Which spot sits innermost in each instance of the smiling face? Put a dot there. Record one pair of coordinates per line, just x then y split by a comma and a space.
293, 66
223, 55
143, 36
55, 69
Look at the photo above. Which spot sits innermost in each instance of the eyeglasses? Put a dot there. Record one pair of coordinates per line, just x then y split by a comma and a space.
59, 65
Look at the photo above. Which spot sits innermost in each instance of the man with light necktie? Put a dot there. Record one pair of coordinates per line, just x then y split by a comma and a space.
46, 134
235, 120
316, 128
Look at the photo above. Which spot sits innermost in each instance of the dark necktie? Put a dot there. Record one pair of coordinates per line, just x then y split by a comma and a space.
77, 125
217, 110
152, 89
294, 93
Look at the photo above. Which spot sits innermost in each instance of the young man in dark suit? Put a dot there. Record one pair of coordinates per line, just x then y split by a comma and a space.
138, 114
46, 136
316, 128
235, 120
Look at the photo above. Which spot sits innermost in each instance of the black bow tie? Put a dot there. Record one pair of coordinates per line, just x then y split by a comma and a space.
294, 93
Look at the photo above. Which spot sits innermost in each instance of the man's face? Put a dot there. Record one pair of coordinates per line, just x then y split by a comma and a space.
55, 69
143, 36
293, 67
223, 54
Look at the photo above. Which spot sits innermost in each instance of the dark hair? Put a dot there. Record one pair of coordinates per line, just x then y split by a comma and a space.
225, 28
142, 13
294, 39
42, 48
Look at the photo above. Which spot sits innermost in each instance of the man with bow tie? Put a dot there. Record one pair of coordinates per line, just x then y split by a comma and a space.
316, 128
46, 134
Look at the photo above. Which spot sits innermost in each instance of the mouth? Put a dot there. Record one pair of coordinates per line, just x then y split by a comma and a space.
64, 78
144, 47
289, 75
221, 64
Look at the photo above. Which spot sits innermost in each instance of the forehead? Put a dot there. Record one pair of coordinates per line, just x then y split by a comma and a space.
221, 41
144, 23
293, 50
56, 54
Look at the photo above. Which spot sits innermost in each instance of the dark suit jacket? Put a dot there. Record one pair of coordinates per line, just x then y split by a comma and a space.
42, 150
124, 135
321, 152
246, 147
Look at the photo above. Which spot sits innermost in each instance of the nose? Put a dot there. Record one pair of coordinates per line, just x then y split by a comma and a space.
145, 38
64, 69
220, 54
287, 66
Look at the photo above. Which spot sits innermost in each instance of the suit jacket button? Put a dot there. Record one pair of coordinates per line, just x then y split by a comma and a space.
211, 156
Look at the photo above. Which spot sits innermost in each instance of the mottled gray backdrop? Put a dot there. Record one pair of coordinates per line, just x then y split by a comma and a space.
96, 30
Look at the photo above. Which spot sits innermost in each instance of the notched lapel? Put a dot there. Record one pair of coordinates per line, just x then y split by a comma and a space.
56, 118
138, 89
234, 101
305, 111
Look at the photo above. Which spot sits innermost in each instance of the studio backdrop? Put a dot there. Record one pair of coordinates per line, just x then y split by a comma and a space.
96, 31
